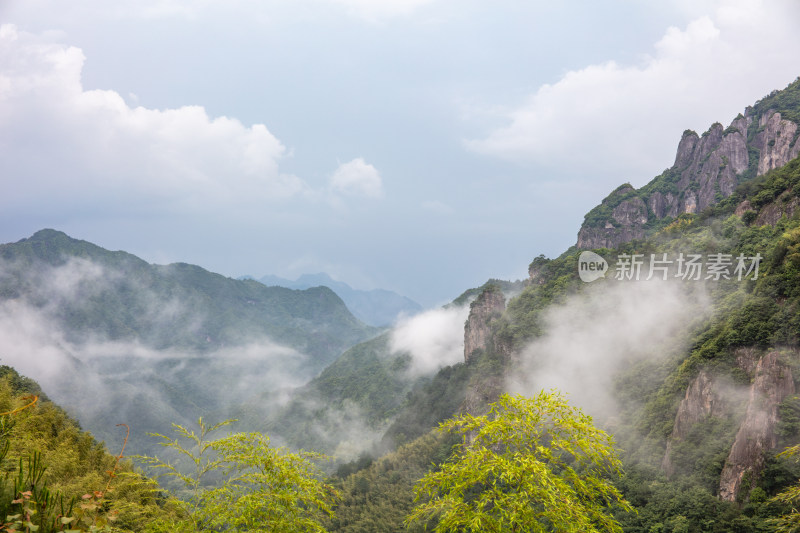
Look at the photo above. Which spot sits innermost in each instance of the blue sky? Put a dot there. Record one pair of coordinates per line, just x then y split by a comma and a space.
417, 145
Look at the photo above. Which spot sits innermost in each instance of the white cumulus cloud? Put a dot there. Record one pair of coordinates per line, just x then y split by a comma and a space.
357, 178
626, 119
83, 144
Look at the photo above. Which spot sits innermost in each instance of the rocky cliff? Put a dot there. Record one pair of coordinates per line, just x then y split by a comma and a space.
703, 399
754, 418
772, 384
707, 169
488, 306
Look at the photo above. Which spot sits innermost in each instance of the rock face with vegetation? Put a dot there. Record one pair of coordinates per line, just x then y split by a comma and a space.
702, 400
477, 331
757, 435
706, 170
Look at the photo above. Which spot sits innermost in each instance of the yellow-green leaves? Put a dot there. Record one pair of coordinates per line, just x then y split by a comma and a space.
257, 487
530, 464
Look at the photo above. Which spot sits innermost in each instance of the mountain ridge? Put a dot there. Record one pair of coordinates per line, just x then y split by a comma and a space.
376, 307
115, 336
706, 170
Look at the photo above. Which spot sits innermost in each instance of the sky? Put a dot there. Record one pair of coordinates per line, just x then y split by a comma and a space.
421, 146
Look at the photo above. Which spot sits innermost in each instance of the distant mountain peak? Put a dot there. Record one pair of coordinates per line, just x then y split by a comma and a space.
376, 307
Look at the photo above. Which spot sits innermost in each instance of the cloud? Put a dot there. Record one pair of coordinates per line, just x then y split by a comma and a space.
434, 338
603, 330
84, 145
625, 120
357, 178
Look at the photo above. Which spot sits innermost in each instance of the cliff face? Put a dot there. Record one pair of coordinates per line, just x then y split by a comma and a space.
488, 306
707, 396
628, 214
772, 384
702, 400
707, 169
776, 141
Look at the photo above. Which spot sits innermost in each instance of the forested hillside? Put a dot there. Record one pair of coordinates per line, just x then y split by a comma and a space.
115, 339
695, 375
56, 477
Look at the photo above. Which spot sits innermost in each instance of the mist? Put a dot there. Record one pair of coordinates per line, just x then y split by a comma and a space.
434, 339
600, 331
103, 378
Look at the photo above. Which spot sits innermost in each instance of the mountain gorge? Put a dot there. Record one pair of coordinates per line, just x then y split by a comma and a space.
113, 338
695, 375
687, 350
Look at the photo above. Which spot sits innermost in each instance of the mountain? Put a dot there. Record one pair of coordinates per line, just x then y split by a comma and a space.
376, 307
115, 339
694, 371
679, 333
706, 170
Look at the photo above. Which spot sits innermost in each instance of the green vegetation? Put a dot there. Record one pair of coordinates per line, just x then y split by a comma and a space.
158, 336
429, 403
789, 521
786, 102
379, 496
601, 214
240, 483
55, 477
117, 296
529, 465
508, 287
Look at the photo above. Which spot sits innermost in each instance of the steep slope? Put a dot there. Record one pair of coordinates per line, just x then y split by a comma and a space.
45, 452
344, 410
116, 339
390, 390
695, 376
376, 307
706, 170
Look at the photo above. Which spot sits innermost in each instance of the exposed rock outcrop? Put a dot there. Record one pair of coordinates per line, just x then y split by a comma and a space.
772, 384
702, 400
743, 208
628, 215
776, 141
537, 269
488, 306
784, 205
481, 394
747, 359
709, 396
706, 170
663, 205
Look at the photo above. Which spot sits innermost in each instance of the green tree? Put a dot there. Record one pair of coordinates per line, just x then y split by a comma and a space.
240, 483
790, 521
530, 464
271, 489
